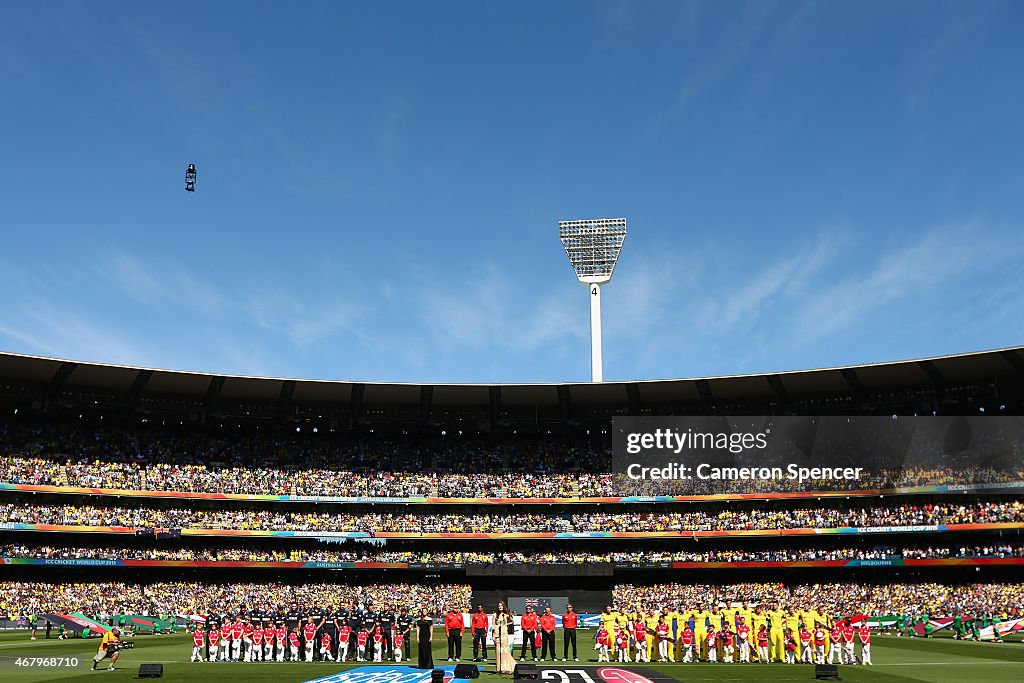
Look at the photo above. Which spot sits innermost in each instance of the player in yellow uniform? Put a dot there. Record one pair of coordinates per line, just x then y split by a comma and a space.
651, 622
675, 627
793, 622
700, 631
717, 617
758, 618
729, 617
821, 617
683, 616
744, 611
777, 632
608, 619
809, 617
622, 621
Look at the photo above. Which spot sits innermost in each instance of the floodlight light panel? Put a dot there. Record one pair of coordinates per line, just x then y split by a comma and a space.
593, 246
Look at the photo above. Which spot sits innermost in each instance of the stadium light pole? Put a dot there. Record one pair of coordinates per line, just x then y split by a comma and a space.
593, 246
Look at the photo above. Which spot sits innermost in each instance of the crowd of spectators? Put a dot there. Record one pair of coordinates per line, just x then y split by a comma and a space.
350, 483
107, 598
203, 599
520, 522
451, 466
837, 598
531, 556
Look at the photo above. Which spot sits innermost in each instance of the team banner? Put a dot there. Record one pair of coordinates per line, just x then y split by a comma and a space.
784, 453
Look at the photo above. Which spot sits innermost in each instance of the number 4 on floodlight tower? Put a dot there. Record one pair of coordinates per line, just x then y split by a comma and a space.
593, 248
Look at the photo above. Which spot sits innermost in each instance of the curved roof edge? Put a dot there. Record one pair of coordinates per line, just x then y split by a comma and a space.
948, 370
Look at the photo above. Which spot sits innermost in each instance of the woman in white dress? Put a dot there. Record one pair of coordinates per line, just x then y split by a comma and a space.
500, 626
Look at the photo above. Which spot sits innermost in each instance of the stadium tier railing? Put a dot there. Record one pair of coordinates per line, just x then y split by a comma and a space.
944, 489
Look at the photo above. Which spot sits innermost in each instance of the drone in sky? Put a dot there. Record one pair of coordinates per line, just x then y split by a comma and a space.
190, 178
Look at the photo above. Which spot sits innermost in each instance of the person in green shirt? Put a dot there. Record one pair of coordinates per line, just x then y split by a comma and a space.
958, 627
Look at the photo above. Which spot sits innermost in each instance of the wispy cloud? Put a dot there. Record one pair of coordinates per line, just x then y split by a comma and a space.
736, 46
487, 311
799, 304
918, 269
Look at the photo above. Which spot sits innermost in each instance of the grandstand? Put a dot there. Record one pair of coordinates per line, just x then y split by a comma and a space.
180, 495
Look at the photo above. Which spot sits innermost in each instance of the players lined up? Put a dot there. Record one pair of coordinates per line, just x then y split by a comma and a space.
732, 635
244, 641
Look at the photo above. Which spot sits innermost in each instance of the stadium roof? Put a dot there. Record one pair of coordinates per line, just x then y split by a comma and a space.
51, 376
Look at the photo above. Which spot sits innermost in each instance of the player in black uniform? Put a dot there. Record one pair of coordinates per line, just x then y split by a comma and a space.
293, 616
403, 624
386, 617
319, 614
356, 617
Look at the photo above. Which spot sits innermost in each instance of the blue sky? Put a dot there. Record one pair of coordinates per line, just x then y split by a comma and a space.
807, 184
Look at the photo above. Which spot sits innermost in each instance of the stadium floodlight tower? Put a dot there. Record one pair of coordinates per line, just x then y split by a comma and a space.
593, 246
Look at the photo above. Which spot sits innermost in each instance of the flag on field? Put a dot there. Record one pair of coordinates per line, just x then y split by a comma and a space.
1003, 628
936, 625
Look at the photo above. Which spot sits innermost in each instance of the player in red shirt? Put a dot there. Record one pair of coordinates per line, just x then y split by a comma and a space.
281, 635
603, 655
570, 621
819, 645
268, 641
712, 640
479, 625
361, 639
640, 636
762, 644
743, 640
225, 641
686, 638
344, 631
661, 635
529, 623
454, 623
214, 637
237, 630
806, 653
547, 635
309, 637
864, 633
622, 646
247, 630
400, 641
378, 643
293, 644
835, 644
728, 648
199, 640
257, 644
848, 632
325, 647
790, 646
